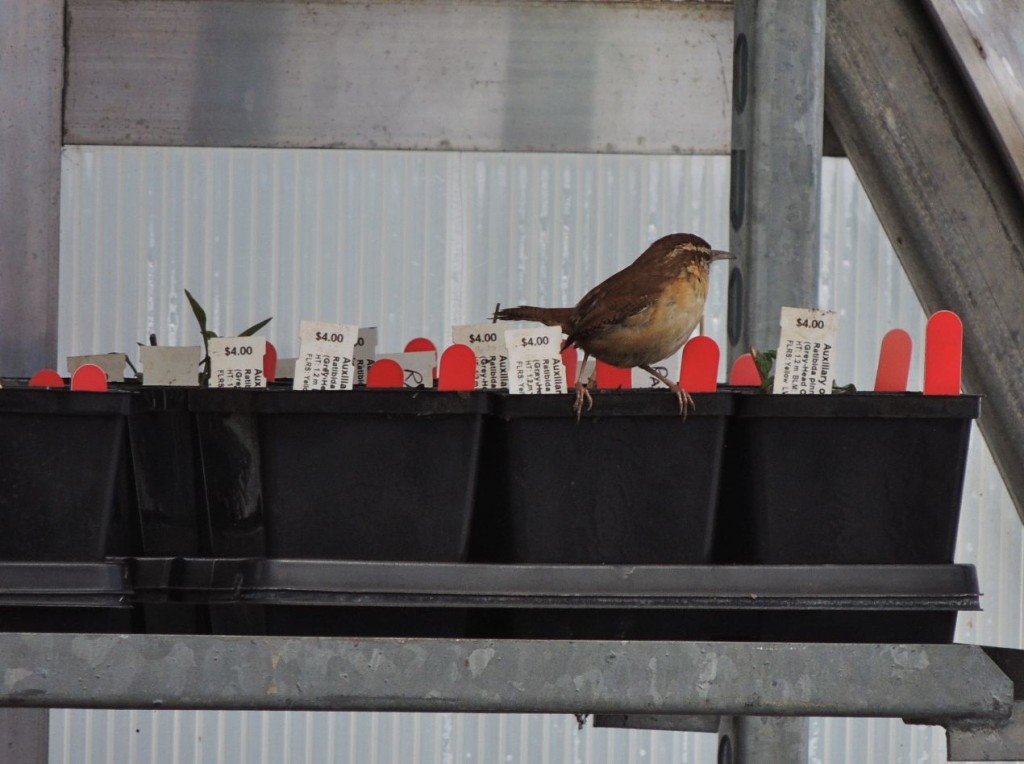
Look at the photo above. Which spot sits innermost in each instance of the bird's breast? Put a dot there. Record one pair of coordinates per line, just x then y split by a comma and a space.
657, 331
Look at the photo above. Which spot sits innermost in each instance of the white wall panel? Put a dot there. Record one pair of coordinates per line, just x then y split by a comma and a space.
411, 242
414, 242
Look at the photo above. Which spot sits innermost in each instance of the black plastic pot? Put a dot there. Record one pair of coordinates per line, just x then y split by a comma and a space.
632, 482
65, 597
162, 436
359, 475
856, 478
60, 458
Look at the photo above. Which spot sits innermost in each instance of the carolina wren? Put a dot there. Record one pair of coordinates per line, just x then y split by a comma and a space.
640, 315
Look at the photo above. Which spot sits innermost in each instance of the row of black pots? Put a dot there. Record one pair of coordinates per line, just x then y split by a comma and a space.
442, 476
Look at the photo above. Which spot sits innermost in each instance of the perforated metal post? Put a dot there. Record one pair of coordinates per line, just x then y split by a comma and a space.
775, 200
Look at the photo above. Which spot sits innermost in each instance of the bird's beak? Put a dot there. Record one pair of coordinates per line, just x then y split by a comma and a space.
718, 254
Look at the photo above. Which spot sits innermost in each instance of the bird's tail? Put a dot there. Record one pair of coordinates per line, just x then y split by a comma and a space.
548, 316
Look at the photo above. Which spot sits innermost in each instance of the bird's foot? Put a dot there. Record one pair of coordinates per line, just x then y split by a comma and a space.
582, 394
685, 401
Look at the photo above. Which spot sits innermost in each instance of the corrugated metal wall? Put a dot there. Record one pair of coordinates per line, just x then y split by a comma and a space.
411, 242
414, 242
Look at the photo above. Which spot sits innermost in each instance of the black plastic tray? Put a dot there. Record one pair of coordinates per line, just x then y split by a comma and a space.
632, 482
366, 474
859, 478
804, 603
65, 597
60, 458
166, 473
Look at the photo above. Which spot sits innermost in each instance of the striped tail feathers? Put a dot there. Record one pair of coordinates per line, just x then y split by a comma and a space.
548, 316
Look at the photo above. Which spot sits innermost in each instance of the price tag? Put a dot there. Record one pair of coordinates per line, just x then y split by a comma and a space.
169, 366
325, 356
417, 366
805, 360
488, 342
365, 352
535, 360
669, 367
237, 361
112, 364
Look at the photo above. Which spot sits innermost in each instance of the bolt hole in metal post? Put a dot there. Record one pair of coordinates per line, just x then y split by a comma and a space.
725, 750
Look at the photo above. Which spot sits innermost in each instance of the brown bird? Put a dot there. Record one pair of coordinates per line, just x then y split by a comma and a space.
640, 315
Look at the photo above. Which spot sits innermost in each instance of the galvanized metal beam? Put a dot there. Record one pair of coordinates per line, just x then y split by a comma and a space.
777, 135
677, 723
32, 62
940, 187
755, 739
25, 735
775, 229
987, 43
994, 742
155, 671
511, 76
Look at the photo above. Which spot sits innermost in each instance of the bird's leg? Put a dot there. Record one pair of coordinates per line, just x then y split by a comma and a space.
582, 393
685, 401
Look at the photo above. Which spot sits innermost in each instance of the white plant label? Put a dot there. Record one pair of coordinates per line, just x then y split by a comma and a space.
365, 352
417, 366
325, 359
169, 366
804, 363
669, 367
535, 360
488, 342
237, 361
112, 364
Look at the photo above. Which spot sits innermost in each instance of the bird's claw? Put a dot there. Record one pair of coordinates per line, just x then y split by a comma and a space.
685, 402
582, 393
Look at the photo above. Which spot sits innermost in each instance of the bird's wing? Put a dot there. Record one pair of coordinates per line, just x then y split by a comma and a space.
608, 305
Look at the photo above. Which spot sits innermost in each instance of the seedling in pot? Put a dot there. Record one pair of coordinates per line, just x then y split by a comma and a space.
764, 362
208, 334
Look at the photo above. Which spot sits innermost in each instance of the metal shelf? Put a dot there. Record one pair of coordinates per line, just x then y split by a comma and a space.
682, 685
958, 683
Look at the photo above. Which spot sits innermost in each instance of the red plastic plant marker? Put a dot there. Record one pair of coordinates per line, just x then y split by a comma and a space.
385, 373
943, 353
420, 344
570, 361
458, 369
699, 370
613, 378
46, 378
894, 362
90, 377
744, 372
270, 363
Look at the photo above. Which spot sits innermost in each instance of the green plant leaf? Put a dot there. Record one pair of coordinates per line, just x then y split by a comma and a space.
197, 310
255, 327
764, 362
